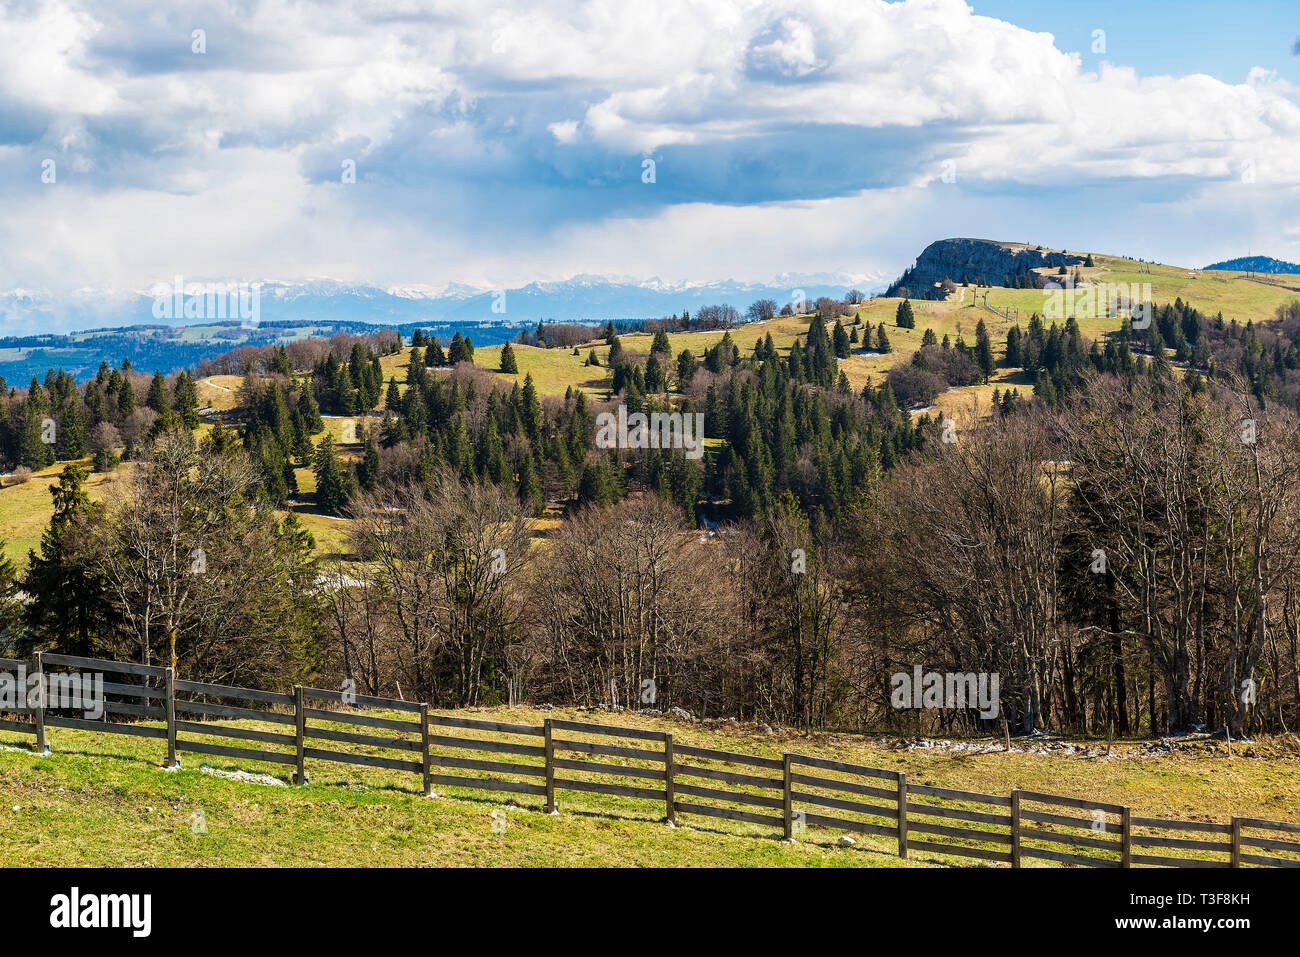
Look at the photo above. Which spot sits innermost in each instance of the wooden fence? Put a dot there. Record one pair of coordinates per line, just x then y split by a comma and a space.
788, 794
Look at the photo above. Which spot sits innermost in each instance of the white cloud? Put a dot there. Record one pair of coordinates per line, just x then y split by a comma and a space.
490, 139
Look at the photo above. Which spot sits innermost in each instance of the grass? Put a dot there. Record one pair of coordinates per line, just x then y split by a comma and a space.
25, 509
102, 800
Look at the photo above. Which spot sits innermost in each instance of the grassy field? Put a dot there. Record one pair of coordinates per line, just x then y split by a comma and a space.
104, 800
25, 509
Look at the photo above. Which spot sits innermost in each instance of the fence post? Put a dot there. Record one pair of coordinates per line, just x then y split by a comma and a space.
426, 756
42, 746
1126, 845
550, 769
787, 797
670, 798
902, 814
300, 734
1015, 827
1236, 842
169, 688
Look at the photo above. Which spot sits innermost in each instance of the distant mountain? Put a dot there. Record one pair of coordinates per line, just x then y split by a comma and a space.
1256, 264
24, 312
35, 336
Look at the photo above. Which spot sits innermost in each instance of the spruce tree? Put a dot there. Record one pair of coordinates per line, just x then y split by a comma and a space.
840, 340
983, 350
125, 400
185, 400
508, 364
685, 367
66, 609
456, 352
11, 608
330, 490
655, 380
434, 356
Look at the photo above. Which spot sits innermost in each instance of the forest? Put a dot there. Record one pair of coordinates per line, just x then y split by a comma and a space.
1120, 544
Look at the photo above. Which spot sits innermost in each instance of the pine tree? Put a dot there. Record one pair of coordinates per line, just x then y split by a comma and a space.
492, 456
685, 367
125, 400
330, 490
595, 486
530, 410
903, 318
983, 350
72, 432
508, 364
1013, 357
368, 469
457, 352
11, 607
655, 380
33, 451
281, 364
434, 356
530, 486
840, 340
66, 610
185, 399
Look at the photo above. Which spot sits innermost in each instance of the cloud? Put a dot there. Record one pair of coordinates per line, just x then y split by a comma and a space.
505, 141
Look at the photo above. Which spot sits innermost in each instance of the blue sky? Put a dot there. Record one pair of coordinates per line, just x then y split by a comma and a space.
1223, 40
497, 143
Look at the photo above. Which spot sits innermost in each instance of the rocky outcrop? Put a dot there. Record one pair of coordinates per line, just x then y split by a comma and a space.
980, 261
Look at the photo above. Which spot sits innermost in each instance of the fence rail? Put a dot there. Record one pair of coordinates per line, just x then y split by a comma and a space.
790, 793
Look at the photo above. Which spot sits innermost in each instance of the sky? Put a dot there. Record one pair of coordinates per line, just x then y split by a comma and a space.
416, 145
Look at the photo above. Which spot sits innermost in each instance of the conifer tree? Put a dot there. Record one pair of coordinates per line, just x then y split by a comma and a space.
66, 610
508, 364
331, 494
434, 356
185, 400
685, 367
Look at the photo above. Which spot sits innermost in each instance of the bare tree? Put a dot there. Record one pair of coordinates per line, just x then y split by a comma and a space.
153, 544
448, 561
628, 605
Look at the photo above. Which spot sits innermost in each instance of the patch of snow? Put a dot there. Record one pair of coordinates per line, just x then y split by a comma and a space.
245, 776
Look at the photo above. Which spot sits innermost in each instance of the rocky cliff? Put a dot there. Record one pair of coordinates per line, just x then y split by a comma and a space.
979, 261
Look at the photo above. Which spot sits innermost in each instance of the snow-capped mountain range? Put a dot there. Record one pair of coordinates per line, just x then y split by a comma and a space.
581, 297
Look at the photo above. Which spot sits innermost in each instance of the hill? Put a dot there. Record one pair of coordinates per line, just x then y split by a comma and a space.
102, 800
982, 262
1265, 264
25, 509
